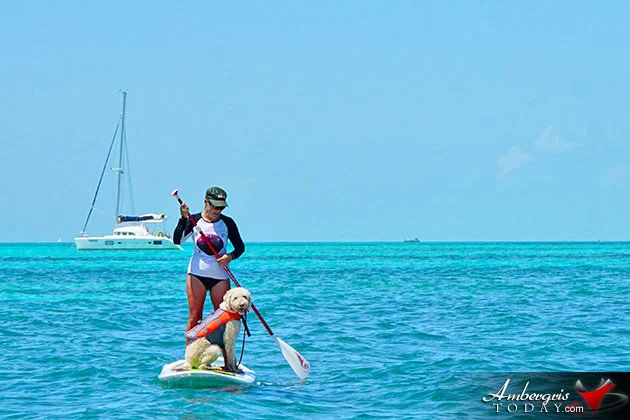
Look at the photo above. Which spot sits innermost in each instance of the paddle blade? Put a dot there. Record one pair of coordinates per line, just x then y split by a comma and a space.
298, 363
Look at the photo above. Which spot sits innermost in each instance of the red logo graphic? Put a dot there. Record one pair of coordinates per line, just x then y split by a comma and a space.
594, 398
303, 362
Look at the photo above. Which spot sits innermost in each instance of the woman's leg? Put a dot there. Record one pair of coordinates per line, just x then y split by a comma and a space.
196, 292
217, 292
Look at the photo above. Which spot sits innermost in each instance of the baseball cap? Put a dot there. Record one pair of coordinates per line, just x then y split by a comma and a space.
216, 196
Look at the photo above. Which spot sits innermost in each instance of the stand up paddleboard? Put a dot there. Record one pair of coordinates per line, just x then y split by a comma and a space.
205, 378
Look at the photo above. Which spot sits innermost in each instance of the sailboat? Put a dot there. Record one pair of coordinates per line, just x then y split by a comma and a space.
130, 232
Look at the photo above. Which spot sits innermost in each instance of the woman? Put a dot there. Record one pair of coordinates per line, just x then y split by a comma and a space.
206, 273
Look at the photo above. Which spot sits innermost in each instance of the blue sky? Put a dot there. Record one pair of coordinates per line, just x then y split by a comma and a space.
324, 121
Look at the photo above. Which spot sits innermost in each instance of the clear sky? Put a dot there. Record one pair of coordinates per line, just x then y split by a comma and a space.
324, 121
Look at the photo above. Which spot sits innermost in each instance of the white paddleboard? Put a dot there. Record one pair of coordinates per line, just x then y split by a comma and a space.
205, 378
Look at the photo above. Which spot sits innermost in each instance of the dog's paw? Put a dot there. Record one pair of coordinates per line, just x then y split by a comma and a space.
185, 366
233, 369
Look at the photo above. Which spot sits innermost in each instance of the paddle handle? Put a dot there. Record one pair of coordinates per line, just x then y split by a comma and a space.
216, 254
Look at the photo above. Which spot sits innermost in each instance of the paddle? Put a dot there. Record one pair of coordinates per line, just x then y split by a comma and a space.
298, 363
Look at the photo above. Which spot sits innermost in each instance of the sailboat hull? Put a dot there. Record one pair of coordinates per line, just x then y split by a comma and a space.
115, 243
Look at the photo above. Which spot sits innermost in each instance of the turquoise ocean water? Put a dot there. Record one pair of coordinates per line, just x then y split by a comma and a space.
392, 330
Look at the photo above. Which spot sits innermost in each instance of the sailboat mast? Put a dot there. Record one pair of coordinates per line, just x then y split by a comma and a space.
120, 158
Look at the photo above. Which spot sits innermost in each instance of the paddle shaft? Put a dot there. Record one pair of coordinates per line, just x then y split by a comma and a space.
227, 270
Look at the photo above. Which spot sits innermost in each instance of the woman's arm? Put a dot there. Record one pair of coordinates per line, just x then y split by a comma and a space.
235, 237
184, 227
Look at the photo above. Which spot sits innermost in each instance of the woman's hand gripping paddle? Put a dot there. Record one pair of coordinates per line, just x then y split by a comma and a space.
298, 363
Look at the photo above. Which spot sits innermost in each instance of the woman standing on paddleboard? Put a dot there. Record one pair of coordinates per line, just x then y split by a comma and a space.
205, 271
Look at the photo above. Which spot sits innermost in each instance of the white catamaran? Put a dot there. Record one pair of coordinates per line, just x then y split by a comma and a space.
130, 232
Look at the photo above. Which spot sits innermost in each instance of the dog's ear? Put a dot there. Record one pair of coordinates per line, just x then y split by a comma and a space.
225, 305
228, 295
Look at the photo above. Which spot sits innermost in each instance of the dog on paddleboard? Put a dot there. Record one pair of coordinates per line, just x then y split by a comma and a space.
218, 333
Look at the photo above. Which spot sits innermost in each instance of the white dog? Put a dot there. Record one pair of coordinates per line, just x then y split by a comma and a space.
201, 352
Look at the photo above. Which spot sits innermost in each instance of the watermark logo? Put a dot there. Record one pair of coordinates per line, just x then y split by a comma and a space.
529, 402
595, 397
523, 399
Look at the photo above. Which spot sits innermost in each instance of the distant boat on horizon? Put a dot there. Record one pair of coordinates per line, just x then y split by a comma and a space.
130, 232
412, 240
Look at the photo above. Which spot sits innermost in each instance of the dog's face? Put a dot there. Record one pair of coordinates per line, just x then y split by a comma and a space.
237, 300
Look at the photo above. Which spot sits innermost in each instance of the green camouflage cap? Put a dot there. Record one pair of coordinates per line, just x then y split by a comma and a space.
216, 196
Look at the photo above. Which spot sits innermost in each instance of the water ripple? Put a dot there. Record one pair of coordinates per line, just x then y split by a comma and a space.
390, 330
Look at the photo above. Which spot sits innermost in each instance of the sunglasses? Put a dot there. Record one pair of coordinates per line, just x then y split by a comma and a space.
215, 207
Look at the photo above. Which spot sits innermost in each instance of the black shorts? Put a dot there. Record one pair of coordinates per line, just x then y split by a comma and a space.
209, 282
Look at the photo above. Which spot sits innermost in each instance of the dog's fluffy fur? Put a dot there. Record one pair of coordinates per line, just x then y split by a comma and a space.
201, 353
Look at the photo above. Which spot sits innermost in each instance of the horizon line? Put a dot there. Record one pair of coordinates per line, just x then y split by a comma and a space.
380, 242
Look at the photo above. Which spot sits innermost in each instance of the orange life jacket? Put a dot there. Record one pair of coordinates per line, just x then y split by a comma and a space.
216, 320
